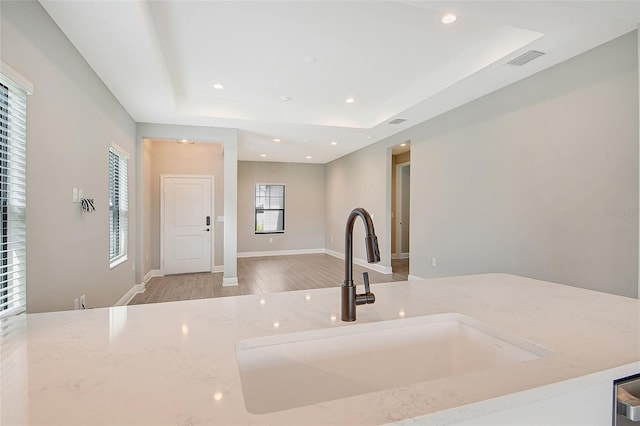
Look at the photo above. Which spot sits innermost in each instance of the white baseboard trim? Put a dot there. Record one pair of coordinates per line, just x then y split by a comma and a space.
279, 252
414, 278
400, 256
152, 273
138, 288
218, 268
362, 262
229, 282
124, 300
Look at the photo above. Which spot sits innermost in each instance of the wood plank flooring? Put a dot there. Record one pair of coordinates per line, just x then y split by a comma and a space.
258, 275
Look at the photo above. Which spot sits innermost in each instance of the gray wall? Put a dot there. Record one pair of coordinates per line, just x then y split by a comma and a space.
538, 179
360, 179
72, 120
304, 206
169, 157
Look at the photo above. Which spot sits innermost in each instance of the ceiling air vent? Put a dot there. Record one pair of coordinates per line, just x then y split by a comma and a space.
397, 120
527, 57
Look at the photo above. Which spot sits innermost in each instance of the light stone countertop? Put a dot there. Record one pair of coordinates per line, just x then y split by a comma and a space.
175, 364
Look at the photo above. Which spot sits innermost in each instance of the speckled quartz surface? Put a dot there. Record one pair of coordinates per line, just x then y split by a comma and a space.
175, 363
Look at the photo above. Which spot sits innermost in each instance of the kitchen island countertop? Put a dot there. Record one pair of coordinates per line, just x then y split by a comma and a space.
175, 363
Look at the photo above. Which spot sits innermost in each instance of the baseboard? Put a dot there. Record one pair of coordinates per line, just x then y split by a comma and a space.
229, 282
218, 268
400, 256
152, 273
279, 252
124, 300
414, 278
138, 288
362, 262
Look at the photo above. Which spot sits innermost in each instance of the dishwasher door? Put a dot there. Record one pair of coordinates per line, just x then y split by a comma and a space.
626, 401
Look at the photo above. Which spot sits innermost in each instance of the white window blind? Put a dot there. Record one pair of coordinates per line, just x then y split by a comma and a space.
118, 206
13, 197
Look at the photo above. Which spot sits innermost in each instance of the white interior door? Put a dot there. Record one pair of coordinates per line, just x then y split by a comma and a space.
187, 224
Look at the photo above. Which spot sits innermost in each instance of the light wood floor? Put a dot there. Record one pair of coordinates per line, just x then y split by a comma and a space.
264, 275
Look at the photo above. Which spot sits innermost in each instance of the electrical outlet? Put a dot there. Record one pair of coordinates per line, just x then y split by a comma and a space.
83, 302
270, 240
434, 262
76, 304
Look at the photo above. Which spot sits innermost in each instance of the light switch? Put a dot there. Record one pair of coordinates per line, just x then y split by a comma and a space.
220, 219
74, 196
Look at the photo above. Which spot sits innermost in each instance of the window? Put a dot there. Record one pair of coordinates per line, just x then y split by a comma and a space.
269, 209
13, 232
118, 206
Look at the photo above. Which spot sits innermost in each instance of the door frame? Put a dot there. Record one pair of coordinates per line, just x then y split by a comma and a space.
163, 177
398, 218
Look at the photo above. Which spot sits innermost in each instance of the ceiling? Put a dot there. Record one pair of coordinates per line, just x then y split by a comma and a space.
287, 67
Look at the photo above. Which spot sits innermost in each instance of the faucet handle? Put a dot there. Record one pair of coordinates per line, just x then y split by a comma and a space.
367, 296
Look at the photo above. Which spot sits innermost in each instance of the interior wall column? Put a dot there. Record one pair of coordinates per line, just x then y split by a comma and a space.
230, 276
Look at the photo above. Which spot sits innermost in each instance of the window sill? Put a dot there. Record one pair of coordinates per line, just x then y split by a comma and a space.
269, 232
117, 261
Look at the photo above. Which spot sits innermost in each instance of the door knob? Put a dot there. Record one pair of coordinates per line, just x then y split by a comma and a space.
207, 229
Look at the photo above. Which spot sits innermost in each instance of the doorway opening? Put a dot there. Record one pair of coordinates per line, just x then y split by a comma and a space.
400, 207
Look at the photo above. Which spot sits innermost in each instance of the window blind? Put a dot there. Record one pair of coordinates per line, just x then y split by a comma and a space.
269, 212
118, 205
13, 197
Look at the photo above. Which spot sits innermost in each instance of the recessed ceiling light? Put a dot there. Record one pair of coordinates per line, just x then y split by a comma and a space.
218, 86
350, 100
334, 143
285, 98
276, 140
309, 60
308, 157
449, 18
369, 137
403, 144
263, 155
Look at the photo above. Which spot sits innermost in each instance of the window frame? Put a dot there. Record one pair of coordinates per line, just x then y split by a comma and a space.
256, 210
121, 200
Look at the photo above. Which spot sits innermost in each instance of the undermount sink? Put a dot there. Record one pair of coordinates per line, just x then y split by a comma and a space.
297, 369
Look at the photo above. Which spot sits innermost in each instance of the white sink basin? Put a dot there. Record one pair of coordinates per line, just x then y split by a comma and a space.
298, 369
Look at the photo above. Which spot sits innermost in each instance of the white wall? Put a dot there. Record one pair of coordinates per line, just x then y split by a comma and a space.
72, 120
304, 206
522, 180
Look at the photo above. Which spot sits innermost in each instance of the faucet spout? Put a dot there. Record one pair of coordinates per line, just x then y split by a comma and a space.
349, 297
